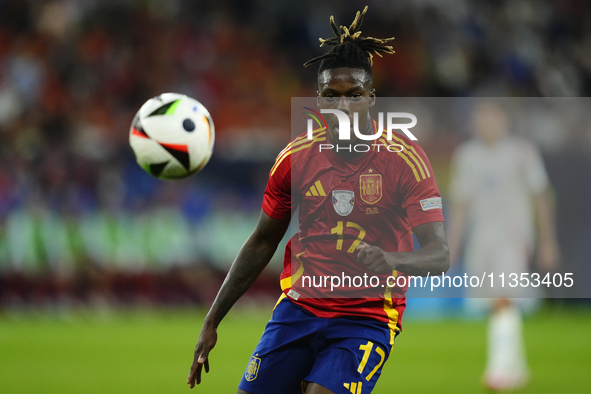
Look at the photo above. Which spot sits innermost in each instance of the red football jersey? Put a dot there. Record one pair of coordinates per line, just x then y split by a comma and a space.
376, 198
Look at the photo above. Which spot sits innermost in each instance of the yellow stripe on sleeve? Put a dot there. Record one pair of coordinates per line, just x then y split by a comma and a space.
409, 153
304, 138
320, 188
401, 154
299, 148
290, 148
279, 162
283, 151
412, 148
286, 283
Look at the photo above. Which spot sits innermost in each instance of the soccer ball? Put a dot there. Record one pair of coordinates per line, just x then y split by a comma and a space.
172, 136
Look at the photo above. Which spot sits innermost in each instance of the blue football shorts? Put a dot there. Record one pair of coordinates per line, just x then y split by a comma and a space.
343, 355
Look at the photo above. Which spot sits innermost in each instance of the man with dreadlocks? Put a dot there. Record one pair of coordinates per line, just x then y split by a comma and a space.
356, 214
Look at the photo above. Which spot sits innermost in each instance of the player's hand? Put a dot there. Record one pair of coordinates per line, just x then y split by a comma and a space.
375, 259
207, 340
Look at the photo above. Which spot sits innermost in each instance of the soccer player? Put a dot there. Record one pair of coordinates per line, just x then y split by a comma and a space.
357, 212
496, 177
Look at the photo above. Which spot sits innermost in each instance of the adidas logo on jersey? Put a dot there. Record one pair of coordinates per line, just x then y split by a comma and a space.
355, 388
316, 190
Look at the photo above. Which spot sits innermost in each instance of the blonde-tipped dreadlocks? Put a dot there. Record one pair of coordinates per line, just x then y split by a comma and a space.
349, 48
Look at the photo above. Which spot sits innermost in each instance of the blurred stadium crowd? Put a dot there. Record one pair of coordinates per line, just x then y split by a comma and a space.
80, 221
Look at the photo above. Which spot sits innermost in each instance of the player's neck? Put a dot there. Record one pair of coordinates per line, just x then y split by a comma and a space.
492, 141
347, 149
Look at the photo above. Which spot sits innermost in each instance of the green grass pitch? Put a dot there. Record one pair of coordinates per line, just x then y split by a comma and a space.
150, 352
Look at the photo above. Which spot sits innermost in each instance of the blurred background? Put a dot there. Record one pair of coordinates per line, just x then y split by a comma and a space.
83, 228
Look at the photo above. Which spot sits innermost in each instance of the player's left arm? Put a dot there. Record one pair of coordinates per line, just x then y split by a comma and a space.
536, 179
548, 250
432, 258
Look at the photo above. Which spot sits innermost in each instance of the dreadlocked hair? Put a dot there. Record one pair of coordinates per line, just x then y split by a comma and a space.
349, 49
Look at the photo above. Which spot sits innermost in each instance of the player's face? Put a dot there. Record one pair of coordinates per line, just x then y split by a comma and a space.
348, 90
490, 122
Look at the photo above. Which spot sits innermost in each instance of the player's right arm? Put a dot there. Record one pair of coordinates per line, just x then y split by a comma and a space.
253, 257
250, 262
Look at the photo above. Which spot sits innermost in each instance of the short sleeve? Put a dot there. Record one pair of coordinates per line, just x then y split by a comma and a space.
535, 173
421, 198
277, 198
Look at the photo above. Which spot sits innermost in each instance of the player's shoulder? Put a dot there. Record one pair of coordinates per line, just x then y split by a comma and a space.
305, 145
395, 141
470, 145
406, 155
524, 150
520, 144
300, 148
471, 148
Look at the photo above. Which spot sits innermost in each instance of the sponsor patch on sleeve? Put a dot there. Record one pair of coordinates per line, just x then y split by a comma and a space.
293, 294
431, 203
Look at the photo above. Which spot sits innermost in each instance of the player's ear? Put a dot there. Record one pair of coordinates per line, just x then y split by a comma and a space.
372, 98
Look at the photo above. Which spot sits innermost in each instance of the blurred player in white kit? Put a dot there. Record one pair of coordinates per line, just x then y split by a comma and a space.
499, 192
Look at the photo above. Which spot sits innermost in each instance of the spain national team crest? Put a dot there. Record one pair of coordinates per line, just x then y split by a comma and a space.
370, 188
343, 201
253, 368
